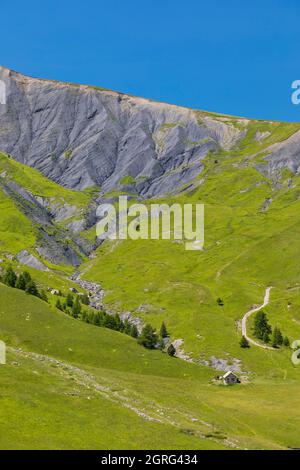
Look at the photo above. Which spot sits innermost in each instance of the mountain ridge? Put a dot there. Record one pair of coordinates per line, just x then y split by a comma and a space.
81, 136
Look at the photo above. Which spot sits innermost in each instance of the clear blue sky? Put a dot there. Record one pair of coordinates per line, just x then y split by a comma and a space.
233, 56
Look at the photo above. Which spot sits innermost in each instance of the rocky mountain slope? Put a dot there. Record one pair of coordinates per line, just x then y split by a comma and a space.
81, 136
95, 143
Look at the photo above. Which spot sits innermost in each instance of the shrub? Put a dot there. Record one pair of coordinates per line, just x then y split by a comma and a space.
244, 343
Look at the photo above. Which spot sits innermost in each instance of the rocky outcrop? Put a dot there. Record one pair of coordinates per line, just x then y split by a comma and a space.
29, 260
54, 243
81, 136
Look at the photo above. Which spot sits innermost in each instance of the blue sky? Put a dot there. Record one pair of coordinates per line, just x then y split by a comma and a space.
231, 56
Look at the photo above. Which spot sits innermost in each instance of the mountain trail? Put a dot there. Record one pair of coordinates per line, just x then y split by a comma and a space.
249, 313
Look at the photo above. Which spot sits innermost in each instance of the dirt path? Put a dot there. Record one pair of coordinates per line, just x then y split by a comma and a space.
248, 314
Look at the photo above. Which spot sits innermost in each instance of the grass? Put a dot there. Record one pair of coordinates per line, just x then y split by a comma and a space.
37, 395
16, 230
248, 246
127, 180
246, 249
34, 182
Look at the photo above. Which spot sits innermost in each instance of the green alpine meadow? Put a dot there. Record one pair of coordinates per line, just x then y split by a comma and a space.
141, 343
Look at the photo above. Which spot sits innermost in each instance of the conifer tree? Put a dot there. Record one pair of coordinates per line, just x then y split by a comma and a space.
127, 327
262, 329
10, 277
171, 350
244, 343
21, 282
85, 299
27, 277
277, 338
76, 308
69, 300
266, 337
148, 337
163, 331
43, 296
32, 289
134, 331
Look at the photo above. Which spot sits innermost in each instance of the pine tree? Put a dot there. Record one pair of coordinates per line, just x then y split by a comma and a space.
266, 337
91, 318
119, 325
26, 277
163, 331
21, 282
286, 341
148, 337
43, 296
134, 331
10, 277
171, 350
32, 289
59, 305
110, 322
69, 300
127, 327
277, 338
262, 329
85, 299
244, 343
76, 308
220, 302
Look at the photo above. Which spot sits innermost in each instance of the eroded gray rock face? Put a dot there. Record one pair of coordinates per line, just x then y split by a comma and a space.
80, 136
285, 154
29, 260
54, 243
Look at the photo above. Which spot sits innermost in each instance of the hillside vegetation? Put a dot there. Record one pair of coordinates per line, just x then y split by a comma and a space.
62, 371
71, 384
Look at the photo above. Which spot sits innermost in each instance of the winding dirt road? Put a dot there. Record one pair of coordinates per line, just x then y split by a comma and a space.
248, 314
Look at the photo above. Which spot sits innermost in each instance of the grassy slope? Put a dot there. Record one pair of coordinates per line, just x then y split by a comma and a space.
34, 182
28, 323
245, 250
17, 231
243, 254
36, 395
